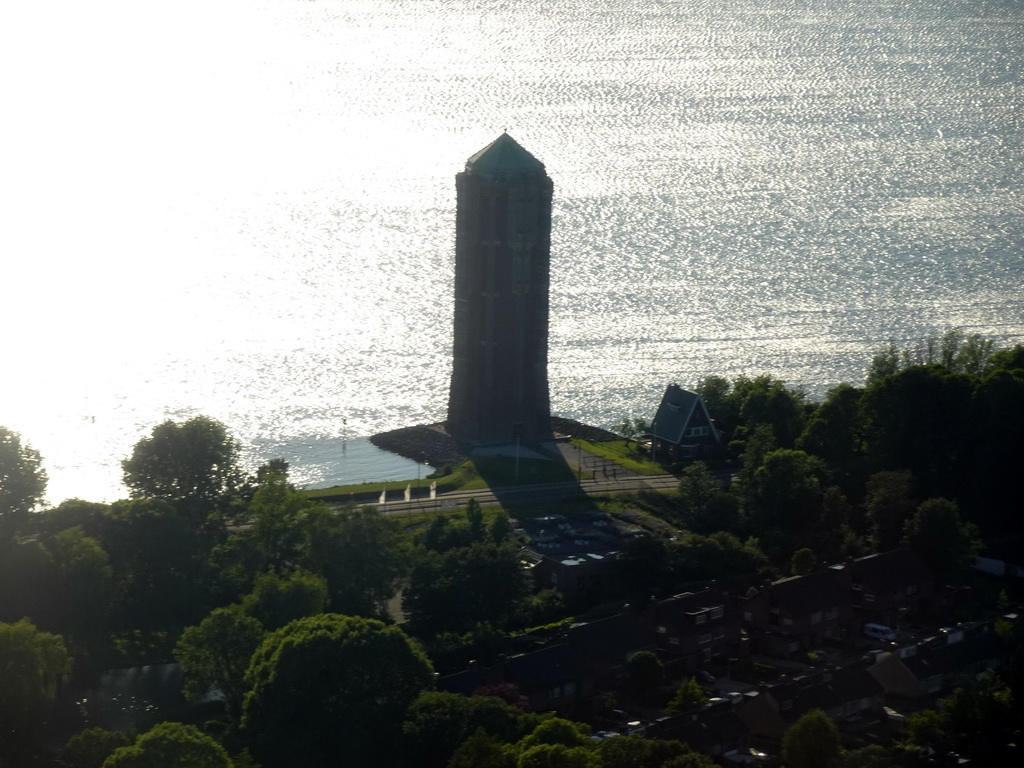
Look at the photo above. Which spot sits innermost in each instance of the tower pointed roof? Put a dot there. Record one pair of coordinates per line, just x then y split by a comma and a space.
504, 158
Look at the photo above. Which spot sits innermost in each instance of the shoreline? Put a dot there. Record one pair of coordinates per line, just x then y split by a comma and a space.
431, 444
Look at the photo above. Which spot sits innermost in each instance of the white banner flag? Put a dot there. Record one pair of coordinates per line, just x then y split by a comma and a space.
408, 492
383, 496
433, 490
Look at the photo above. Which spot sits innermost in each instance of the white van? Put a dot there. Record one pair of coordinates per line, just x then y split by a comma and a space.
879, 632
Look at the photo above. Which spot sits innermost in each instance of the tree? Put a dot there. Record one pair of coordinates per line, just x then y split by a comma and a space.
688, 697
171, 745
692, 760
356, 677
159, 566
359, 551
766, 401
704, 505
466, 586
91, 747
30, 663
481, 750
835, 433
276, 510
785, 492
85, 585
638, 752
812, 742
941, 539
645, 673
888, 503
557, 756
215, 654
803, 562
557, 730
193, 464
918, 420
278, 599
22, 483
436, 723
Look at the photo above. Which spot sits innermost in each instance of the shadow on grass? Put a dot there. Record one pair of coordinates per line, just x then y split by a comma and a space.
528, 487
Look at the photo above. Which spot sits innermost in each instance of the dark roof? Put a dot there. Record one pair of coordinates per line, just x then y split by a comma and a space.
891, 570
827, 690
612, 638
674, 413
709, 728
689, 602
464, 682
942, 657
543, 669
504, 159
813, 592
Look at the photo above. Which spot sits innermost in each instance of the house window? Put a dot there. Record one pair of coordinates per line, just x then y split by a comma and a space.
707, 654
673, 641
569, 689
912, 589
719, 633
705, 638
786, 704
831, 613
787, 622
700, 618
662, 630
869, 598
748, 616
717, 611
816, 617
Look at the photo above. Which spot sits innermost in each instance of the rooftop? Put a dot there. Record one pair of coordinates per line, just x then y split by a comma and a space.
504, 159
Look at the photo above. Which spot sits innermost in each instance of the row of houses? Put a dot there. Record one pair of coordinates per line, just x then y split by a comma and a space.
782, 621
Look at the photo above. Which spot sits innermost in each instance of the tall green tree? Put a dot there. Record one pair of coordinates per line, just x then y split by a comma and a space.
437, 722
22, 483
704, 504
281, 598
812, 742
159, 563
785, 492
354, 678
463, 587
171, 745
193, 464
84, 585
942, 539
688, 697
889, 501
360, 552
215, 654
91, 747
919, 420
835, 433
30, 663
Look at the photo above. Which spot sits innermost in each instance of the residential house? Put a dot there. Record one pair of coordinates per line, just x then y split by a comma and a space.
888, 586
798, 612
695, 627
934, 666
850, 695
683, 427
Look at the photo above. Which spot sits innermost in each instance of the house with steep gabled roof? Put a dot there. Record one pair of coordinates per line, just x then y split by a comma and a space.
683, 426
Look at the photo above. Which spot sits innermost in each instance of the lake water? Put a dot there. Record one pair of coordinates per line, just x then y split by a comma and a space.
245, 208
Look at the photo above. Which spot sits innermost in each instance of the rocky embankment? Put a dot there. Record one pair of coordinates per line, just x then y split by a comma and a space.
430, 444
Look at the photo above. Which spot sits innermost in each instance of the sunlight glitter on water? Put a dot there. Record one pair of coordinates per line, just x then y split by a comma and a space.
246, 209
